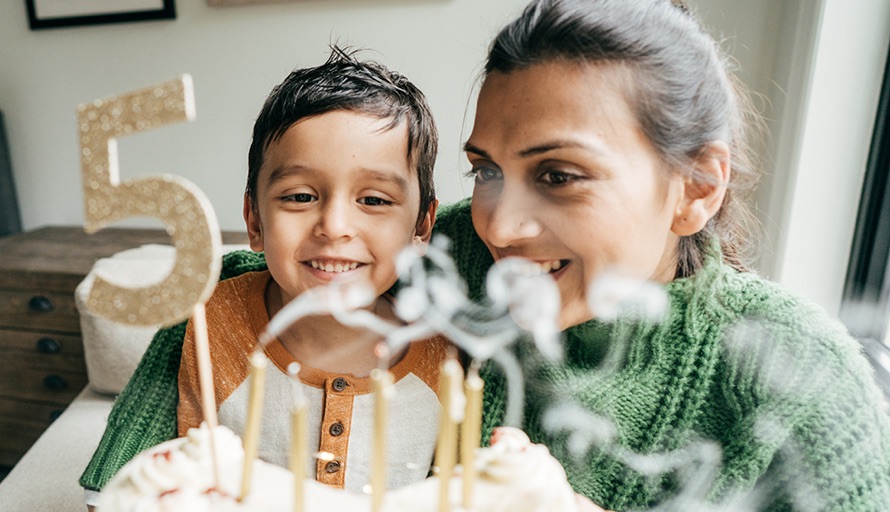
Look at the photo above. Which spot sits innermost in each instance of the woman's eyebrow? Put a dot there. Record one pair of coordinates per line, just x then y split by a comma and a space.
469, 148
558, 144
540, 148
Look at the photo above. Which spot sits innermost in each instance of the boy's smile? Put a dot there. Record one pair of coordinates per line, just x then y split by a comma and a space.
337, 198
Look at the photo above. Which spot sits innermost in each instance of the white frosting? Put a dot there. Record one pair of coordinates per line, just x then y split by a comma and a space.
513, 475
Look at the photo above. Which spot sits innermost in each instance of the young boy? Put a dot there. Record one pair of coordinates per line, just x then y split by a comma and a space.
339, 181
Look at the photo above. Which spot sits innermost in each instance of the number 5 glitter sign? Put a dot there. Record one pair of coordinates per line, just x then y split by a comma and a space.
183, 208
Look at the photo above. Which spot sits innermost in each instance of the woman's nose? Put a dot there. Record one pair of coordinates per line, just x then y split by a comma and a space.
512, 219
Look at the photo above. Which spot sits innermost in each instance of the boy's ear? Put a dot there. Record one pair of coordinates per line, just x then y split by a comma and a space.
424, 229
704, 192
254, 226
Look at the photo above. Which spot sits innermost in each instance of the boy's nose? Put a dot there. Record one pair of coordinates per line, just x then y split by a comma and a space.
336, 220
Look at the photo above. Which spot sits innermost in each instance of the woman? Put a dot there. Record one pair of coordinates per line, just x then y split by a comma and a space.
609, 137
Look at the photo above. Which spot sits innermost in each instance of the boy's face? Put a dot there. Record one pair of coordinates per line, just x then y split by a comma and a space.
337, 198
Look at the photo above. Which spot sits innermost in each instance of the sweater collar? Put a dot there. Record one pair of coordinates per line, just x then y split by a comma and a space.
704, 280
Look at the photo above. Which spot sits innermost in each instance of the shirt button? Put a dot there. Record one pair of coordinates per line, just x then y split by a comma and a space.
336, 429
339, 384
332, 466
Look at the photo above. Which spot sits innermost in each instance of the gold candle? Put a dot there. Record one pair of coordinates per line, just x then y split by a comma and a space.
450, 379
381, 386
205, 370
298, 451
258, 364
205, 381
471, 435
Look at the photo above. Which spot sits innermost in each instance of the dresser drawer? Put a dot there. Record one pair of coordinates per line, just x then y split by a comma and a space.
49, 343
30, 373
36, 310
21, 423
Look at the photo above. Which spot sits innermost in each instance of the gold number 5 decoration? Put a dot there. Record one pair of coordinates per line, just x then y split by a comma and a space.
183, 208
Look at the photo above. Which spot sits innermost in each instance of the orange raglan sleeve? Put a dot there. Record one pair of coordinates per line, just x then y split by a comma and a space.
188, 410
232, 336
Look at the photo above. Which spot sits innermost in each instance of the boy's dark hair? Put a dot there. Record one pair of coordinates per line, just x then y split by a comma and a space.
345, 83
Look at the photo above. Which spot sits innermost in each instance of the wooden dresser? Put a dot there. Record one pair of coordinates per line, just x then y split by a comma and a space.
42, 366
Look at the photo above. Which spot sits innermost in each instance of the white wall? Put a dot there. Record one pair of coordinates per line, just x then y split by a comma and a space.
833, 142
235, 55
814, 64
817, 67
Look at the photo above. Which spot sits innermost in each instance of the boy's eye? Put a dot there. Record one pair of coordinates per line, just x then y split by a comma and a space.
299, 198
374, 201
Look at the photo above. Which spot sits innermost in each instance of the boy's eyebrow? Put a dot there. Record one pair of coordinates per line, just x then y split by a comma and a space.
396, 179
282, 172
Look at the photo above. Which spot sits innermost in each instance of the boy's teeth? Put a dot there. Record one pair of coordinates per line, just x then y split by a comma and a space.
334, 267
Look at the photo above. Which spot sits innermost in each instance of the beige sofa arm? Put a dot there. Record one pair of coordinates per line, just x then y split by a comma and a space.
46, 478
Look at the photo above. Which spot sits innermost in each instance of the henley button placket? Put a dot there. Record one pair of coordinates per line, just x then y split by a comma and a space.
332, 466
339, 384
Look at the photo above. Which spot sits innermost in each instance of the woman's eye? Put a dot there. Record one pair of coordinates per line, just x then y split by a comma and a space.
557, 177
374, 201
484, 174
299, 198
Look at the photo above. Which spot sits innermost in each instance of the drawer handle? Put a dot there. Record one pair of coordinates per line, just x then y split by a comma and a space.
48, 346
40, 304
55, 383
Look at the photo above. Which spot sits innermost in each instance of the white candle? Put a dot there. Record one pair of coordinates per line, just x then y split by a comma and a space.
258, 364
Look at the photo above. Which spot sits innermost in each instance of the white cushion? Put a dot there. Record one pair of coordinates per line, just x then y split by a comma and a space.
111, 349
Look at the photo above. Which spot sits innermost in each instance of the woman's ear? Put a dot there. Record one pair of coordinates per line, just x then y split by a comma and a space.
424, 230
254, 226
703, 192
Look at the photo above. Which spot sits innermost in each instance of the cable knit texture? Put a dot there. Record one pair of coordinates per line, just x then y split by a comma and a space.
738, 363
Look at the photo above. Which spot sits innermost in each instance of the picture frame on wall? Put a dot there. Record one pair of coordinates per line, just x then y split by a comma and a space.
44, 14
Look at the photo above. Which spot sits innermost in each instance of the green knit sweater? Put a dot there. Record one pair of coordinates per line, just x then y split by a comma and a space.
637, 411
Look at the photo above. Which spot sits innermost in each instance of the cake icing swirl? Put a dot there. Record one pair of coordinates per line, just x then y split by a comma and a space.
514, 475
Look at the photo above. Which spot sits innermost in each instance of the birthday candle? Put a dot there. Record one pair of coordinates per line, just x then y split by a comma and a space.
205, 380
446, 451
205, 371
381, 384
471, 434
298, 451
258, 364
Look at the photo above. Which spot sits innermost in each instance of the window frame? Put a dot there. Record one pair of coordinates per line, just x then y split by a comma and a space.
865, 304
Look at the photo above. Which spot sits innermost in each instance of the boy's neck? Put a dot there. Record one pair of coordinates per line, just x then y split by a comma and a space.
323, 343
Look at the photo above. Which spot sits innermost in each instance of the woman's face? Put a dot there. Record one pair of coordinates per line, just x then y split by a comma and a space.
565, 177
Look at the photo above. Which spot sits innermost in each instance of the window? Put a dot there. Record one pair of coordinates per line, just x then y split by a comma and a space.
865, 306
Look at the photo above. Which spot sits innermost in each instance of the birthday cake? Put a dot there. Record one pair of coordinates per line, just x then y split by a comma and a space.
513, 475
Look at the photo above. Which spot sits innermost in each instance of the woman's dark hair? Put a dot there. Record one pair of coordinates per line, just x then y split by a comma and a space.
345, 83
680, 89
